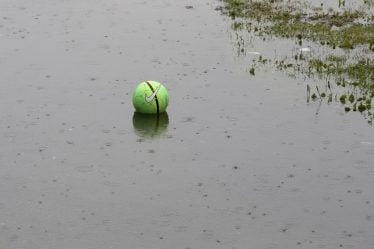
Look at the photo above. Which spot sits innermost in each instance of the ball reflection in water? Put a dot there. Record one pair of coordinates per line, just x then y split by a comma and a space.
150, 126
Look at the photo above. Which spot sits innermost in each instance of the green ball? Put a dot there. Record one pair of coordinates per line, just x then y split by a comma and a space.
150, 97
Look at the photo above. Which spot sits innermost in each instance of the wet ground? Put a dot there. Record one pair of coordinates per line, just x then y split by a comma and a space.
237, 162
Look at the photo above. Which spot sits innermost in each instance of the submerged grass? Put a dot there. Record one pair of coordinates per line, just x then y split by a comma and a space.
350, 30
289, 19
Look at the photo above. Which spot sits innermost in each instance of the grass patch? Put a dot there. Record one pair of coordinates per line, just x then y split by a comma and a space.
350, 30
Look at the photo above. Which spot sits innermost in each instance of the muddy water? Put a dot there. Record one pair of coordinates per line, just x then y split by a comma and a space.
237, 162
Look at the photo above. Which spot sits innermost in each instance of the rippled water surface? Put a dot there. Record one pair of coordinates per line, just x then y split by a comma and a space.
237, 162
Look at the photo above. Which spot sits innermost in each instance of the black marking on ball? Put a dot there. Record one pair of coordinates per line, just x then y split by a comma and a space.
153, 91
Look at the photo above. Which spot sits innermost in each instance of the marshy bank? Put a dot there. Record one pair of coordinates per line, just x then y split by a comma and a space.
334, 45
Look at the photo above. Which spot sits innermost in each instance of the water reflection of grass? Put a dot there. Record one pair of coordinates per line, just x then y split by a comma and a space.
350, 30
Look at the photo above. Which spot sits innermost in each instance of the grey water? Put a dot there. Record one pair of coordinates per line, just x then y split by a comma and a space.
237, 161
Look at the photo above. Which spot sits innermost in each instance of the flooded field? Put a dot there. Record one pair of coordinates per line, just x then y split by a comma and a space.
338, 51
242, 159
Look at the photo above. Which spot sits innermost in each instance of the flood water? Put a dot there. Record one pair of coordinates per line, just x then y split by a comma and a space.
238, 161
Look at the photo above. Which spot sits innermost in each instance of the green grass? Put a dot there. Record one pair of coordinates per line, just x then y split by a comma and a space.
350, 30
